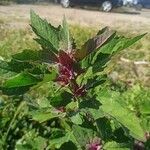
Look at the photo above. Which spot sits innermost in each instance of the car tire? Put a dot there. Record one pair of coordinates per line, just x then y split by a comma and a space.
65, 3
106, 6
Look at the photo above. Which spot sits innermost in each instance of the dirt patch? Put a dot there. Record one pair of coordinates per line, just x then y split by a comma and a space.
18, 16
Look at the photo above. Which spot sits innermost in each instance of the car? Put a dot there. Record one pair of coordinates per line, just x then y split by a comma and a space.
105, 5
144, 3
132, 3
138, 4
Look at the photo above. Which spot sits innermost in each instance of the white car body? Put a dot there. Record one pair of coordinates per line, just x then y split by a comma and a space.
130, 2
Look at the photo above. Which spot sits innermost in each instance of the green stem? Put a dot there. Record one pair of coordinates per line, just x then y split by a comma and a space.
57, 90
19, 109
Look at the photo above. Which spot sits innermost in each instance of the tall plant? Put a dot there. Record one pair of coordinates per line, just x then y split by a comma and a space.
80, 111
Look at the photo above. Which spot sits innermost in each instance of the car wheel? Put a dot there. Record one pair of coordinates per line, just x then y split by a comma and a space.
106, 6
65, 3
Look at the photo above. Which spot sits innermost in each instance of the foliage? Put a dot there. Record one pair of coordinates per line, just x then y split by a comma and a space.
80, 110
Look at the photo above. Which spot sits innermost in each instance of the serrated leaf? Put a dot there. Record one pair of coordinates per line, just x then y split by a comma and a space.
35, 56
65, 36
48, 56
46, 32
27, 55
112, 107
15, 66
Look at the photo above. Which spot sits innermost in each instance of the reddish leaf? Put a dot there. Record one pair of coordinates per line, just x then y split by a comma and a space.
93, 44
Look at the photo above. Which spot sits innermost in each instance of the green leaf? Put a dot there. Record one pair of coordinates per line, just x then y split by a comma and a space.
76, 118
112, 107
116, 146
128, 41
101, 63
35, 56
82, 136
91, 109
21, 80
96, 81
15, 66
79, 135
48, 56
58, 142
104, 128
42, 116
49, 77
109, 47
65, 36
15, 91
46, 32
31, 141
119, 43
27, 55
103, 54
60, 99
145, 107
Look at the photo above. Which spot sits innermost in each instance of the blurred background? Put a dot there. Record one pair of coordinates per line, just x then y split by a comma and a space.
86, 17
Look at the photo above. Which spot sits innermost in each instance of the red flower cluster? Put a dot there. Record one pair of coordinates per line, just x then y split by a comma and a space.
67, 73
78, 90
94, 144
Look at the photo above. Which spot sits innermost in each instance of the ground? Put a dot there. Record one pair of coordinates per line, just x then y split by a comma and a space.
18, 16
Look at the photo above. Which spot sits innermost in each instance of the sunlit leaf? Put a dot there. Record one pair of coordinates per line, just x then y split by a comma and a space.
116, 146
21, 80
65, 38
42, 116
46, 31
112, 107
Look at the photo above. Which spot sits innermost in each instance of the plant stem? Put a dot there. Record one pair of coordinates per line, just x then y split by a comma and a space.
22, 104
